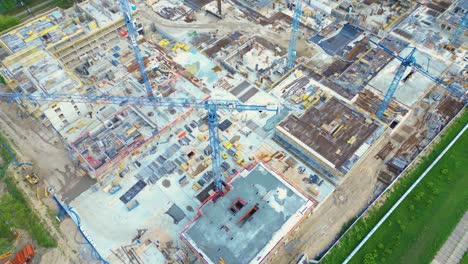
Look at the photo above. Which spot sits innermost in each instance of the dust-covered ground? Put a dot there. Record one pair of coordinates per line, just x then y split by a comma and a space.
40, 146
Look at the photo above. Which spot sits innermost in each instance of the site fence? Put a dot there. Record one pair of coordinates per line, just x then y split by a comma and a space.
389, 187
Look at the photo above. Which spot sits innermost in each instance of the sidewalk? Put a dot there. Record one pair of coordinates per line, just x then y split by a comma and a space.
455, 246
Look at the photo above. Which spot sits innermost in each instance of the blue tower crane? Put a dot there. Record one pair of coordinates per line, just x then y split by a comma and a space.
132, 33
460, 30
212, 106
295, 28
405, 63
410, 61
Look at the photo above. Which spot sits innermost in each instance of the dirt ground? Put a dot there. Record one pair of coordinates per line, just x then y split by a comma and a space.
207, 23
317, 231
34, 143
320, 229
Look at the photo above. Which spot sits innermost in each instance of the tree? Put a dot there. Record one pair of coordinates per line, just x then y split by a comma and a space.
5, 245
419, 196
6, 5
7, 22
370, 258
64, 3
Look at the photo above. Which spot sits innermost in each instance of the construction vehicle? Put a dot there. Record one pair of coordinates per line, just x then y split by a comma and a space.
224, 155
164, 42
32, 178
181, 46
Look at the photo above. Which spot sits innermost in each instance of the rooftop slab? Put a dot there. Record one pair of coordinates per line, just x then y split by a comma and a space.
38, 71
331, 131
43, 31
246, 223
110, 225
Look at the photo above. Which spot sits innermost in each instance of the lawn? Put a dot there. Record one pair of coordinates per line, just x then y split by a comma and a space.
37, 6
352, 238
464, 260
424, 220
15, 213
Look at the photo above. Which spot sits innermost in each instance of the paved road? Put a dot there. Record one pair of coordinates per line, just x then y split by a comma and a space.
33, 9
455, 246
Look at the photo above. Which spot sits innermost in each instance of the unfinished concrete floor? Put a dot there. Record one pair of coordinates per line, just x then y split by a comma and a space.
260, 205
227, 25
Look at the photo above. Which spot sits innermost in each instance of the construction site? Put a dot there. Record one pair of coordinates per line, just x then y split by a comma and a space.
242, 131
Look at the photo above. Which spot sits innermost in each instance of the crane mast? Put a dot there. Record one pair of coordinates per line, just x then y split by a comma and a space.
212, 106
132, 33
294, 30
407, 61
410, 61
213, 124
460, 30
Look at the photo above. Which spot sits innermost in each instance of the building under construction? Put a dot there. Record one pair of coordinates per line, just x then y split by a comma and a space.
245, 225
329, 135
151, 164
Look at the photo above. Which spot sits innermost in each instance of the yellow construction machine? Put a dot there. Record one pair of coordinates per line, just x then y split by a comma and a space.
32, 178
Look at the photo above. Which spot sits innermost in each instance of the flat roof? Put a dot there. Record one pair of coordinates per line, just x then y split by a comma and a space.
271, 208
39, 71
50, 28
330, 129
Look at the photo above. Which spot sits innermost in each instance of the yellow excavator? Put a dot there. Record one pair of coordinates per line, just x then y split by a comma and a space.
32, 178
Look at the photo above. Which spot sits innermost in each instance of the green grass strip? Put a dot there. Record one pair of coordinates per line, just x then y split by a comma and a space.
419, 227
15, 212
352, 238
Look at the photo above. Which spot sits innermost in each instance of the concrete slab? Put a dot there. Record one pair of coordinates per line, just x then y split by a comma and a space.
249, 220
331, 131
410, 91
